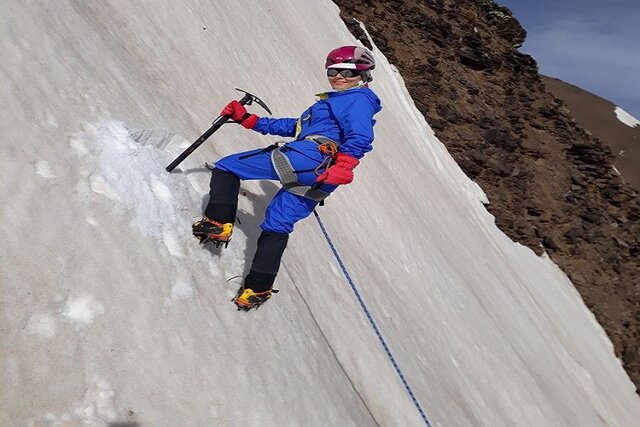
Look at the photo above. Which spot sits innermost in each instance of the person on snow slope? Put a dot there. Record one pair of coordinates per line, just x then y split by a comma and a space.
329, 139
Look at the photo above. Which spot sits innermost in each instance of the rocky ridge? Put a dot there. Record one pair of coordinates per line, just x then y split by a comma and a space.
550, 183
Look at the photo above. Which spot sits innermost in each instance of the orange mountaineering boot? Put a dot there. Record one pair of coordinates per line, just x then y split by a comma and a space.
208, 230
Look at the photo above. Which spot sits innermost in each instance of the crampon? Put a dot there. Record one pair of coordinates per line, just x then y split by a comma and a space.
209, 231
248, 299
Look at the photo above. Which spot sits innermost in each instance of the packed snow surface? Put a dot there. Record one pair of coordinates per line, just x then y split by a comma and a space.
112, 312
626, 118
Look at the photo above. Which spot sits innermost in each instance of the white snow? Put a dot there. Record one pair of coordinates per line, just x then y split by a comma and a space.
125, 318
43, 168
182, 288
82, 309
95, 408
626, 118
43, 325
51, 120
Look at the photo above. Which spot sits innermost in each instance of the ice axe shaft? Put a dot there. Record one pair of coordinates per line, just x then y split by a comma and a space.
247, 99
217, 123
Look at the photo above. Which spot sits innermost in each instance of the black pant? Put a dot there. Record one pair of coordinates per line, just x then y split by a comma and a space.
222, 207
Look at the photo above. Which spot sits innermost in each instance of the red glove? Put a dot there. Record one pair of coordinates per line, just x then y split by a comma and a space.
341, 172
236, 112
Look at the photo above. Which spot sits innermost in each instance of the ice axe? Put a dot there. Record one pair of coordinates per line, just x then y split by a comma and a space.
247, 99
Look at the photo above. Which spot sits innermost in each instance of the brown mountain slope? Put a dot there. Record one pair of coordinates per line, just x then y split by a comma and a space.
597, 115
551, 184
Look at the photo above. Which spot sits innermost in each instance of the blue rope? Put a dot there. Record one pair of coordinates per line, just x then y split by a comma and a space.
371, 321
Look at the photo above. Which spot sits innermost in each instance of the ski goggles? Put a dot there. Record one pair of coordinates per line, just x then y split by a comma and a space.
332, 72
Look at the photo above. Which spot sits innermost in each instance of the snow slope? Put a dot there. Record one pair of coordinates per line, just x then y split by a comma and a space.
111, 312
626, 118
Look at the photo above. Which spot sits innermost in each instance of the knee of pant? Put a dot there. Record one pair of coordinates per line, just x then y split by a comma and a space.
220, 172
275, 236
280, 227
275, 221
285, 210
223, 165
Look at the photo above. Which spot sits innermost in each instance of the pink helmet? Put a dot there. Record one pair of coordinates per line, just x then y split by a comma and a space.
350, 57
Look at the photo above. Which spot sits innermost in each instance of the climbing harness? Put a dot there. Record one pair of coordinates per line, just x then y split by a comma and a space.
286, 173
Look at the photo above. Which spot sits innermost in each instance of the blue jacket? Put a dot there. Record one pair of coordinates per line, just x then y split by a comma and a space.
344, 116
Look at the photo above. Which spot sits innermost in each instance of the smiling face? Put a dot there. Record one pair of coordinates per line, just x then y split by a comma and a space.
340, 82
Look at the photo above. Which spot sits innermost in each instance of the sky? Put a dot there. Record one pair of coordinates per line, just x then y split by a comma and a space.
116, 314
592, 44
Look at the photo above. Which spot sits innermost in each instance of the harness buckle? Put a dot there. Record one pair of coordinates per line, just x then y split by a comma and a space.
329, 148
